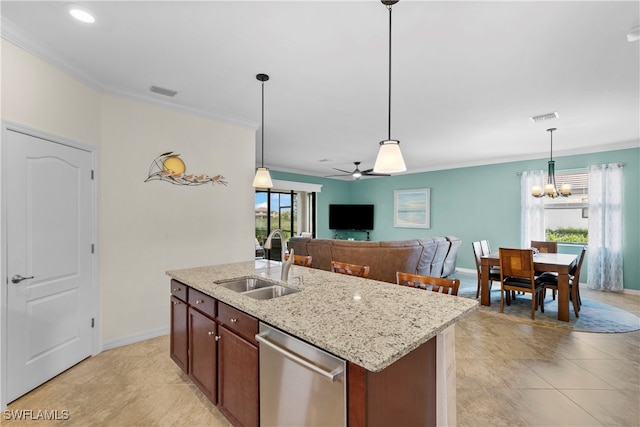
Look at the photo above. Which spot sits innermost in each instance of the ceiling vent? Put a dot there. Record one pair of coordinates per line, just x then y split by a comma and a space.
163, 91
543, 117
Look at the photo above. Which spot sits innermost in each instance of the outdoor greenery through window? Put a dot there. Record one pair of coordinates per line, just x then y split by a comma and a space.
292, 212
275, 209
566, 219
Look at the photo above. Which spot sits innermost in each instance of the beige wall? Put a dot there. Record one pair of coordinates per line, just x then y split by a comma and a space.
144, 229
37, 95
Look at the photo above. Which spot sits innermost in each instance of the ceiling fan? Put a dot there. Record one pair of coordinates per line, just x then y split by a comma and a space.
357, 173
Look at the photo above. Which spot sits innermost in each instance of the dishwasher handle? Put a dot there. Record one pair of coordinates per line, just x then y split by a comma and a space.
333, 376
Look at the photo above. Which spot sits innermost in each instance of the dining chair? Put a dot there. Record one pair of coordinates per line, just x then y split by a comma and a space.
494, 272
437, 284
350, 269
545, 247
550, 281
303, 260
486, 249
517, 274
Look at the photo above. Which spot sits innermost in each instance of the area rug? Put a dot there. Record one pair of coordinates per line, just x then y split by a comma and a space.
594, 316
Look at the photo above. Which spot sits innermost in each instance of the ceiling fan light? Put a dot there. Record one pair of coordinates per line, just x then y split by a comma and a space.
389, 158
262, 179
357, 174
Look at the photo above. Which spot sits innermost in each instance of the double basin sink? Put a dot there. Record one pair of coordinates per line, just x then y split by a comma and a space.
257, 288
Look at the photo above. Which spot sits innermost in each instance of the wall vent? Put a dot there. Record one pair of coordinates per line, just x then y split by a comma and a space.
163, 91
543, 117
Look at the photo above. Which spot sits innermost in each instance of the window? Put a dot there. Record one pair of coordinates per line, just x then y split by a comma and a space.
566, 218
291, 211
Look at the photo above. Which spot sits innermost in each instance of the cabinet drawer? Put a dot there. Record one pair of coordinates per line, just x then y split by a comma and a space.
237, 321
202, 302
179, 290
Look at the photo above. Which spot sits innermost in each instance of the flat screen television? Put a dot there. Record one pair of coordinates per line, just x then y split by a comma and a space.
351, 217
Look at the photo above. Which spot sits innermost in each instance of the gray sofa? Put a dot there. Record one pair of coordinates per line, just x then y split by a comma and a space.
433, 256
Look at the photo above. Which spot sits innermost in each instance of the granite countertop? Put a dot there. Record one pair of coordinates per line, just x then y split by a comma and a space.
367, 322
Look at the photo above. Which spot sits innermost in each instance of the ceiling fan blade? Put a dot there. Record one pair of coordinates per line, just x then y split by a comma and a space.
368, 170
342, 174
342, 170
375, 174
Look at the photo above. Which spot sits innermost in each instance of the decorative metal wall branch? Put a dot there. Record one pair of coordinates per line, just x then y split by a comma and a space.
170, 167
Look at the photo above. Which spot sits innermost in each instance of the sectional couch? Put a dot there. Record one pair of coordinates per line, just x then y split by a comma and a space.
434, 256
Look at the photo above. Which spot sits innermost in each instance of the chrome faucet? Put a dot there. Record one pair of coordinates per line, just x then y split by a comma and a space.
286, 264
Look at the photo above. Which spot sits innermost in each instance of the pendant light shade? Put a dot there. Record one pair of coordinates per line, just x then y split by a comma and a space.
262, 178
550, 188
389, 158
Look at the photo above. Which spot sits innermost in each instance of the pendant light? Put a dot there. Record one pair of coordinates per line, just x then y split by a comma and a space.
263, 178
551, 189
389, 158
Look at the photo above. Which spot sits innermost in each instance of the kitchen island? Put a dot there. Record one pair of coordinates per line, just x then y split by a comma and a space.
389, 335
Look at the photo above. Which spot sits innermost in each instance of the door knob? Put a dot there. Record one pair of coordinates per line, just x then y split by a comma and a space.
18, 278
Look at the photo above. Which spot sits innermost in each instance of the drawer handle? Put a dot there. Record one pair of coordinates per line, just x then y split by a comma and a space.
177, 289
217, 337
176, 302
233, 320
200, 301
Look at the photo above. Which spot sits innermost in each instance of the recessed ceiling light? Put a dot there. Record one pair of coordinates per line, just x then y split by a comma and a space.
80, 13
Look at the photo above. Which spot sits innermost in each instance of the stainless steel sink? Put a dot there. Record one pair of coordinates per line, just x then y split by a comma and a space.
247, 284
257, 288
271, 292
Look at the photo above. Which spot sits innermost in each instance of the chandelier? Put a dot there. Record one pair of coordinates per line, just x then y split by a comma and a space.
550, 188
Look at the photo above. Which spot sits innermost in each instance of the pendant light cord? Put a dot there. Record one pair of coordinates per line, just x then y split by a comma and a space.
551, 131
262, 165
389, 121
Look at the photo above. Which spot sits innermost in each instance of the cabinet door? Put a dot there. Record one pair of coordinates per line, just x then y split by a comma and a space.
179, 337
238, 379
202, 353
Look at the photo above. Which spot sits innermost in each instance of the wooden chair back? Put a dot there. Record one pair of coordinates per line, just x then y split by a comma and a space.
303, 260
437, 284
350, 269
545, 247
477, 253
517, 264
576, 273
486, 249
517, 274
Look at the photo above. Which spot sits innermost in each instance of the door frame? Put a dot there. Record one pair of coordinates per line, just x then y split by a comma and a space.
8, 126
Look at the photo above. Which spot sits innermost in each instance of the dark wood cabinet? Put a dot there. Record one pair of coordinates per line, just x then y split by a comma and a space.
179, 336
203, 353
238, 386
215, 345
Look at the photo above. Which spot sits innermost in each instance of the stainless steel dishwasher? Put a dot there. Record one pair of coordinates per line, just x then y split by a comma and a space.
300, 385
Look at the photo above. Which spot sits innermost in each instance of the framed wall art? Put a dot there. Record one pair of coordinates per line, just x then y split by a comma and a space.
411, 208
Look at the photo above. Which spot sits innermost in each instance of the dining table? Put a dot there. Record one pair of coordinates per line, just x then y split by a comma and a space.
562, 264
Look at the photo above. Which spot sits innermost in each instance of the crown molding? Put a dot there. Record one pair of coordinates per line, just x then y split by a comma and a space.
15, 35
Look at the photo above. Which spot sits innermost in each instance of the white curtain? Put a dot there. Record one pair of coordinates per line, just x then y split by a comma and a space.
605, 227
531, 208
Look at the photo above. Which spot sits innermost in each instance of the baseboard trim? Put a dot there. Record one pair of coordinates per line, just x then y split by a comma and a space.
108, 345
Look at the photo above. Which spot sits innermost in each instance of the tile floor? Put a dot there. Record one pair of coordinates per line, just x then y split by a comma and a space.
507, 374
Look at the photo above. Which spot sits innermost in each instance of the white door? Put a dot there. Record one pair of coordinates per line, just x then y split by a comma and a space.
50, 293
